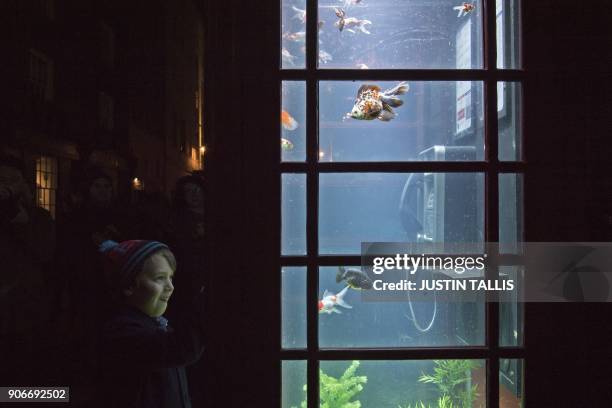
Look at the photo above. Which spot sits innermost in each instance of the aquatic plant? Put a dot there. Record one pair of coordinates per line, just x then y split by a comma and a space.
443, 402
338, 392
451, 377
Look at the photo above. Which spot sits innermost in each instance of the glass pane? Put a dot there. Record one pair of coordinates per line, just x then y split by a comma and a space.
293, 126
348, 321
511, 309
293, 213
293, 382
400, 34
398, 207
53, 173
510, 383
434, 121
293, 307
393, 384
509, 120
508, 34
510, 212
293, 34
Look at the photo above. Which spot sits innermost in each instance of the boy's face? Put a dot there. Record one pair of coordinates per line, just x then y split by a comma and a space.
153, 287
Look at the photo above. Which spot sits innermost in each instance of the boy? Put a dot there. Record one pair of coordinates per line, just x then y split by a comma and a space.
142, 358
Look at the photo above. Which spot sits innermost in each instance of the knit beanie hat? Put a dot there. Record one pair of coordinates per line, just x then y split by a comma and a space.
126, 257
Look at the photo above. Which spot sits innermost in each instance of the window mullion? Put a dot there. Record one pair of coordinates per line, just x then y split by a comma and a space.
491, 198
312, 206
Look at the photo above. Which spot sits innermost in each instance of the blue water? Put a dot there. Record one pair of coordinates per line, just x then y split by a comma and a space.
365, 207
402, 34
377, 324
432, 114
359, 207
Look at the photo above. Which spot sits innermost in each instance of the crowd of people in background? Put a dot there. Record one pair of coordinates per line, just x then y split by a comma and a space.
53, 288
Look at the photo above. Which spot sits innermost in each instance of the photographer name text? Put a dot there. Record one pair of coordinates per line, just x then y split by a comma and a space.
446, 285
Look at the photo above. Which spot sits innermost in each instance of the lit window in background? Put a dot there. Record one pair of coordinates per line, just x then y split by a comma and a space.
196, 158
46, 183
202, 153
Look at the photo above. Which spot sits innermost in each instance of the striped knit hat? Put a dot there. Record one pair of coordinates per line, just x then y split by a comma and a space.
127, 257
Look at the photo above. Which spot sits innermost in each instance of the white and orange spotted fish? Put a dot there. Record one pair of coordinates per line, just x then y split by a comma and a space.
287, 57
371, 103
329, 301
464, 9
349, 3
299, 36
324, 57
299, 14
349, 23
286, 144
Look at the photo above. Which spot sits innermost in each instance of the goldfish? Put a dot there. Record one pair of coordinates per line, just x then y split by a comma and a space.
299, 14
300, 36
324, 57
362, 66
287, 57
286, 144
371, 103
287, 121
464, 9
354, 277
329, 302
348, 3
350, 22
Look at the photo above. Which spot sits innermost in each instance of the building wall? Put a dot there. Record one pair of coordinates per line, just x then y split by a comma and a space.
184, 88
112, 77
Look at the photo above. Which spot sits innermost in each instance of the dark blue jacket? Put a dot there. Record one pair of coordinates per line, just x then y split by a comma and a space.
142, 362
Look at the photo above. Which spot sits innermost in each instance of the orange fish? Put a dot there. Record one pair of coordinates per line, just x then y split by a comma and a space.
464, 9
287, 121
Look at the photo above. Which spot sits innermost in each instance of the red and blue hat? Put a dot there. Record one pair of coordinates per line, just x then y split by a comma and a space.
127, 257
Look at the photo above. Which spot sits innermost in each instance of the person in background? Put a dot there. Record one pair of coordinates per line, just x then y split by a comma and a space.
142, 355
187, 228
155, 209
99, 217
27, 245
188, 240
